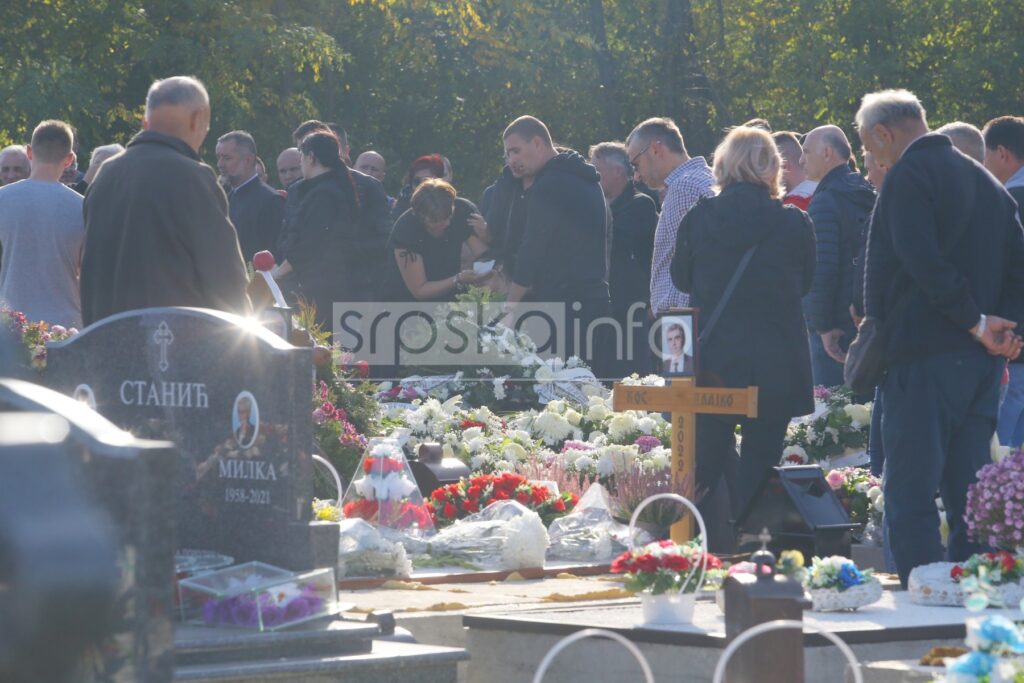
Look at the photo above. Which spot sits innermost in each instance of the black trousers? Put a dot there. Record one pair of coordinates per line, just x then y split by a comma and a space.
721, 473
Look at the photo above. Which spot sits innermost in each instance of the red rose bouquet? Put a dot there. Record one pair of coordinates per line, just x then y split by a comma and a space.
664, 567
461, 499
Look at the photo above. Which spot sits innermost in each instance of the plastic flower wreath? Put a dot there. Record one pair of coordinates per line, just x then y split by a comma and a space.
837, 573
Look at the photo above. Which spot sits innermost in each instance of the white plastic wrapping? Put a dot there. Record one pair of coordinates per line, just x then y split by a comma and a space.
589, 533
363, 551
505, 536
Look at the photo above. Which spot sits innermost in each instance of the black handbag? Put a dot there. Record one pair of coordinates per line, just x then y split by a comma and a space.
865, 359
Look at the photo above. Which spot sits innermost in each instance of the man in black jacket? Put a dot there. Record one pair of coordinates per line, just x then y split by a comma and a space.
256, 210
634, 218
1004, 157
945, 258
564, 252
157, 229
840, 209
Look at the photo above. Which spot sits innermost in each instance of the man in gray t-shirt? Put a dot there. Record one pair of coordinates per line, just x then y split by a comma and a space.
42, 232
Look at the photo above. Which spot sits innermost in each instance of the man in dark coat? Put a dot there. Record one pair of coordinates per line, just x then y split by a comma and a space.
840, 208
634, 218
255, 208
564, 252
157, 230
945, 258
1004, 157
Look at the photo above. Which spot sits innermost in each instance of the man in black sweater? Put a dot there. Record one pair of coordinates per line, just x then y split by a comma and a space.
563, 257
1004, 157
946, 263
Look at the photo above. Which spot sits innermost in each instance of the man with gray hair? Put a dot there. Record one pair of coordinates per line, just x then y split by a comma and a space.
945, 279
255, 209
634, 218
659, 158
840, 209
157, 230
14, 164
96, 159
966, 138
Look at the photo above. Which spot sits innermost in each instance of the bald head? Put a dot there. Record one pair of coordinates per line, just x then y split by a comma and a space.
180, 107
825, 148
289, 166
14, 164
372, 164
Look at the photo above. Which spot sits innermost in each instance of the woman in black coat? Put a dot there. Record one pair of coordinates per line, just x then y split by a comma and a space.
760, 338
324, 252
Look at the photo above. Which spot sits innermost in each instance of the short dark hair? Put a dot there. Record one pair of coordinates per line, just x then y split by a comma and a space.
323, 145
52, 141
307, 127
433, 200
759, 123
661, 129
528, 128
1007, 131
242, 138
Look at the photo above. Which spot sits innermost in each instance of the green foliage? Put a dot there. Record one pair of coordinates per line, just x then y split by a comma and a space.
408, 77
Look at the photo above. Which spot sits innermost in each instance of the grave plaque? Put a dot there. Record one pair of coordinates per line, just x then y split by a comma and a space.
235, 399
48, 493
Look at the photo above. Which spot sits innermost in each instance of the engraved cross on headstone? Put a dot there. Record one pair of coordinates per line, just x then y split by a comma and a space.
685, 401
164, 337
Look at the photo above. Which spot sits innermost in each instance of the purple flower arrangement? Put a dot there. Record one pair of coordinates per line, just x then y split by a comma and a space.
277, 607
995, 503
646, 443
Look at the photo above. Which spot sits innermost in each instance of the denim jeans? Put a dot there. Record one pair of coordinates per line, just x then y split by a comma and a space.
825, 370
1011, 414
939, 414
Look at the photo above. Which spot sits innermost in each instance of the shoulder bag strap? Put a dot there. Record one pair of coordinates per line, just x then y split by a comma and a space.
717, 313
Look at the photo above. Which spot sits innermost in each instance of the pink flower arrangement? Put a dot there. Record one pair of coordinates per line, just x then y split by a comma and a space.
647, 443
995, 503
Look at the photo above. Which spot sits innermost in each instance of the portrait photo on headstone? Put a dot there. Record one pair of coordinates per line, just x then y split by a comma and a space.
674, 333
245, 419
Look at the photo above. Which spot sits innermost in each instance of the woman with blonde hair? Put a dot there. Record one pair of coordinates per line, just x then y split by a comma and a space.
747, 261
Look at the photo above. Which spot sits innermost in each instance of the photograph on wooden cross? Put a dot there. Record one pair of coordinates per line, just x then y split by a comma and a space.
674, 344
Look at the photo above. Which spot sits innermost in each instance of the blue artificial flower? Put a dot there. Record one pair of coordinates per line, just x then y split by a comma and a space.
972, 664
849, 576
998, 632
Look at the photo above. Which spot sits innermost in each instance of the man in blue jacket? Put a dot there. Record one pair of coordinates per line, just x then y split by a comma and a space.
945, 272
840, 209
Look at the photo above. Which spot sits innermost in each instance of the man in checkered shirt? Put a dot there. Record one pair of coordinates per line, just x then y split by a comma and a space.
659, 158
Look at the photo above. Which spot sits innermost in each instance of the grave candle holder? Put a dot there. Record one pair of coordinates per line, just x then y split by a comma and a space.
258, 596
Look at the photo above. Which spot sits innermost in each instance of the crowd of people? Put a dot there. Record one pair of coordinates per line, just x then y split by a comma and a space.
782, 244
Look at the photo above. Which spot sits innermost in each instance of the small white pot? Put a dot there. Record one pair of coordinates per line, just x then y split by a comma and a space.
832, 600
668, 609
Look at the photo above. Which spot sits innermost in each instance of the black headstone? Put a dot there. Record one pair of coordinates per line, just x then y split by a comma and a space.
99, 480
235, 399
800, 510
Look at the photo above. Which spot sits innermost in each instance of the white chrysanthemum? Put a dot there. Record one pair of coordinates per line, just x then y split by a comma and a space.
598, 438
598, 412
858, 413
499, 388
621, 426
583, 463
573, 417
472, 433
552, 427
660, 458
646, 425
556, 406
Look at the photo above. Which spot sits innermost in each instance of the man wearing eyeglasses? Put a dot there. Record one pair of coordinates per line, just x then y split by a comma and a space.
659, 159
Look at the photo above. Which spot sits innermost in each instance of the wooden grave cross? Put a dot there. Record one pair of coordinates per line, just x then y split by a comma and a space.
685, 401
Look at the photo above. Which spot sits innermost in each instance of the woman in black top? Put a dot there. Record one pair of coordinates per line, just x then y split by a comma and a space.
760, 339
426, 246
324, 253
